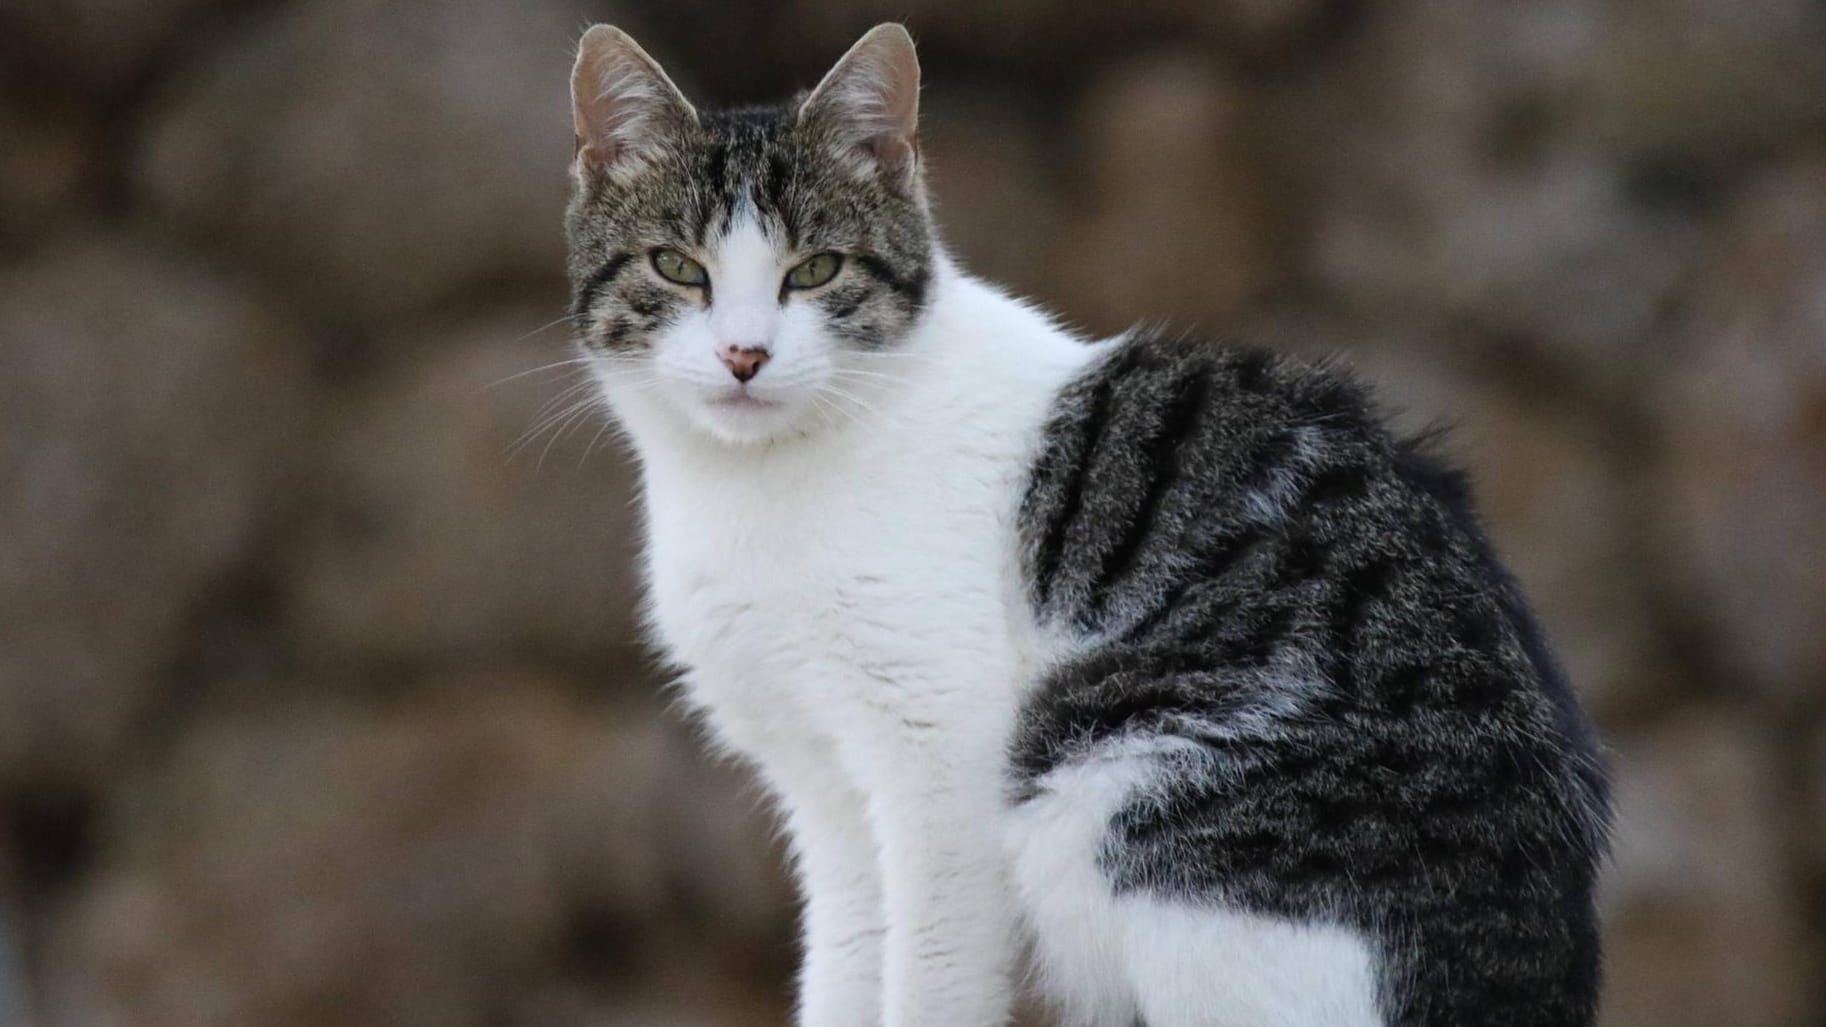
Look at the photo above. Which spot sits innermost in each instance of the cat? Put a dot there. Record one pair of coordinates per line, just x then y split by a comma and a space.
1157, 673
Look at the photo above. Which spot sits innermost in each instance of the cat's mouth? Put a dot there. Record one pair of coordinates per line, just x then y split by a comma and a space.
743, 400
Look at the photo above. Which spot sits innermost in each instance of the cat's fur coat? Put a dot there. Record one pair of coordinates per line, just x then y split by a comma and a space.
1156, 667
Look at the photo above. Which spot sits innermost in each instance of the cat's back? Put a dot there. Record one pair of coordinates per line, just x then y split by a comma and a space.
1257, 508
1330, 700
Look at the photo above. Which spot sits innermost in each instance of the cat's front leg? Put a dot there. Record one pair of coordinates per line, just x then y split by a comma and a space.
842, 925
949, 946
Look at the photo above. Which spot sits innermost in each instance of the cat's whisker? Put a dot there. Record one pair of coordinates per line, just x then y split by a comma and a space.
553, 409
608, 428
858, 373
859, 404
546, 423
580, 416
570, 390
546, 327
556, 364
567, 395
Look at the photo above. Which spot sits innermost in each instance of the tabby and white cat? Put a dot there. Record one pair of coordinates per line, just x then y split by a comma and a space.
1156, 668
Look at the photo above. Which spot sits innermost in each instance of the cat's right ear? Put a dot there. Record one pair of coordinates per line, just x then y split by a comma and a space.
622, 102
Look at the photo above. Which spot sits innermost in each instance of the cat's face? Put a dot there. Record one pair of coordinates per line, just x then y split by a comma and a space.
741, 269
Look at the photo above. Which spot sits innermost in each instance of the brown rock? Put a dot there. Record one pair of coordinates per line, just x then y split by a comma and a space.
1176, 229
45, 166
374, 156
1706, 924
452, 525
1048, 33
1744, 412
996, 190
437, 861
12, 974
1705, 83
94, 45
1449, 180
148, 410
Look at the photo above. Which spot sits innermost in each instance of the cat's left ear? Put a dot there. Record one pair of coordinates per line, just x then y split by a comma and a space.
870, 102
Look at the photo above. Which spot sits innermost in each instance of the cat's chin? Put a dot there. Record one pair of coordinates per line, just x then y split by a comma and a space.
746, 419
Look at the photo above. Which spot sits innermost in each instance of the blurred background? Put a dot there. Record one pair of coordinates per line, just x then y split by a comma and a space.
320, 700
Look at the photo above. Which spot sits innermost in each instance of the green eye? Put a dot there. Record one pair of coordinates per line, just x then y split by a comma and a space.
814, 272
674, 266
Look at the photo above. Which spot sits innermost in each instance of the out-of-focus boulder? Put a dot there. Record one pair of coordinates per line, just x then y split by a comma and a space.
1705, 926
1451, 179
1744, 415
374, 157
458, 857
997, 187
150, 413
47, 162
1700, 83
470, 504
91, 45
1174, 226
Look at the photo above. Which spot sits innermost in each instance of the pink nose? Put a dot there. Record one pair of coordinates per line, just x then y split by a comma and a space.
743, 361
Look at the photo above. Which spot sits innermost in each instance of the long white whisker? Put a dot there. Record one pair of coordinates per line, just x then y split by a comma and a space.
582, 413
535, 370
855, 400
551, 408
543, 424
856, 372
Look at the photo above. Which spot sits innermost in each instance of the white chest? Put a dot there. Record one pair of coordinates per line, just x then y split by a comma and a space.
793, 590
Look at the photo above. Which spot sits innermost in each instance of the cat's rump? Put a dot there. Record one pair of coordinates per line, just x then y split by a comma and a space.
1303, 697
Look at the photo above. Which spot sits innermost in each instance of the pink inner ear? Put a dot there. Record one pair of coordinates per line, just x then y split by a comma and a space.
892, 150
873, 92
618, 93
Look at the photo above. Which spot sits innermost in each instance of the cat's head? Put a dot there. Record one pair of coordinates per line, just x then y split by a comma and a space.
740, 269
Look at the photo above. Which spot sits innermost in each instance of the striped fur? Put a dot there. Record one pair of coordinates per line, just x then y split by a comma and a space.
1265, 573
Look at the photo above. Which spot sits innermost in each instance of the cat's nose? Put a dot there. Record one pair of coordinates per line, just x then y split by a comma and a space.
743, 361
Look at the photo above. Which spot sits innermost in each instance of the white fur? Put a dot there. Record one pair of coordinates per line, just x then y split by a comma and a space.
838, 573
1104, 958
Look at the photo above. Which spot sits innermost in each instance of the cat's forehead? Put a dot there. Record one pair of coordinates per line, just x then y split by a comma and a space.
749, 162
752, 163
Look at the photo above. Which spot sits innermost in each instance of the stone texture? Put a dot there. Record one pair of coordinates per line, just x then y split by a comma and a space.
146, 409
12, 975
1744, 412
1451, 181
1046, 33
996, 185
93, 45
1172, 223
451, 453
380, 156
467, 856
1703, 927
47, 163
1701, 82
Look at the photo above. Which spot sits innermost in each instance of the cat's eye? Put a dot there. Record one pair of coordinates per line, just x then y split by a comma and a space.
674, 266
815, 272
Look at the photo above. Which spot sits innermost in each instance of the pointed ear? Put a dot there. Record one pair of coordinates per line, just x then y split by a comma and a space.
870, 103
621, 100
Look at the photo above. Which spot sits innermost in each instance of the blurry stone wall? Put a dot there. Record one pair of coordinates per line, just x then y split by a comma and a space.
320, 701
